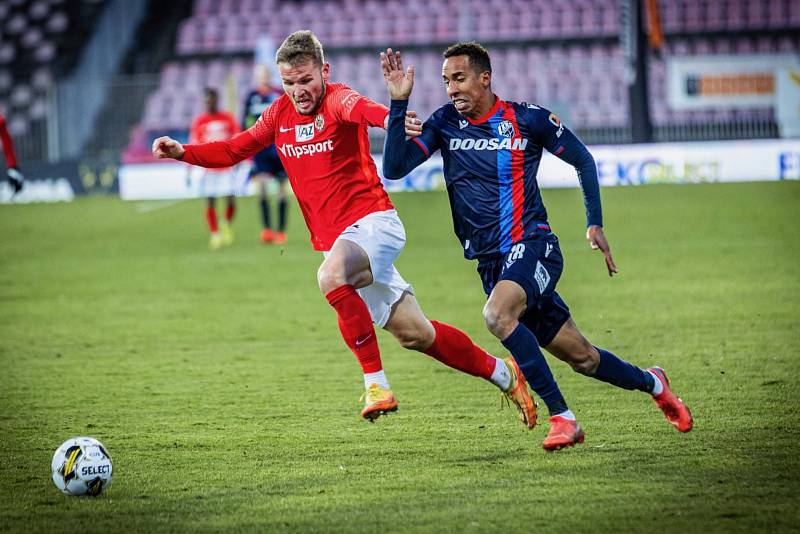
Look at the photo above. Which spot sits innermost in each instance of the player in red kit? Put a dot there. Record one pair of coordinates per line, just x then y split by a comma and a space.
320, 131
15, 177
215, 125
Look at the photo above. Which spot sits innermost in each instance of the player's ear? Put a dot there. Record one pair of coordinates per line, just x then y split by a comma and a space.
326, 72
486, 79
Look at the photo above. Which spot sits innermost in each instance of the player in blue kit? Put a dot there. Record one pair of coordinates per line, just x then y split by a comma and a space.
491, 151
266, 164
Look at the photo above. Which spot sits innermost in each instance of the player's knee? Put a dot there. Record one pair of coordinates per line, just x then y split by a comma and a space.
499, 321
329, 279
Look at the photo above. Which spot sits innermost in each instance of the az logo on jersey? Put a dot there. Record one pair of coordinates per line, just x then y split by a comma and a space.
303, 132
506, 129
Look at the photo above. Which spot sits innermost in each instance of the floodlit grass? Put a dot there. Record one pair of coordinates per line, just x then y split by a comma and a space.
220, 385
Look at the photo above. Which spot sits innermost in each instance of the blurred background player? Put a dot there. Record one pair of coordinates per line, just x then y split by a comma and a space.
15, 177
216, 125
266, 164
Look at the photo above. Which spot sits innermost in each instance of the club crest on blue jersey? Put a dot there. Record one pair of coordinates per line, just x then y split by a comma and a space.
506, 129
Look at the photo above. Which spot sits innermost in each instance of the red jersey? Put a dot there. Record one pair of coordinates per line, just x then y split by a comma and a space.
208, 127
8, 144
326, 157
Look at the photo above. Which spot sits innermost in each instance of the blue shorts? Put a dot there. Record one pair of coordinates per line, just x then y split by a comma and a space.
267, 161
535, 264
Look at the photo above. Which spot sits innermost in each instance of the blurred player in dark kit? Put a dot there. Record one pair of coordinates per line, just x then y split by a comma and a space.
266, 163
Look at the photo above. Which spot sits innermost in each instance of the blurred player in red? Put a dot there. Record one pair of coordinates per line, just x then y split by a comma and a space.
216, 125
320, 130
266, 163
15, 177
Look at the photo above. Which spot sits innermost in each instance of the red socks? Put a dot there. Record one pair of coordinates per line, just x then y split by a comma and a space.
455, 349
451, 346
229, 211
211, 218
355, 324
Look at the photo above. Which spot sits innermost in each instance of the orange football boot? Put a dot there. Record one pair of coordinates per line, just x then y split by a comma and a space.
377, 402
518, 394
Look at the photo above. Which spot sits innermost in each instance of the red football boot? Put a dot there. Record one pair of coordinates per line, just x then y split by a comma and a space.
563, 433
676, 412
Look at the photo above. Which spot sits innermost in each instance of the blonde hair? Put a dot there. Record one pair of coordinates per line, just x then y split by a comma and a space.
299, 47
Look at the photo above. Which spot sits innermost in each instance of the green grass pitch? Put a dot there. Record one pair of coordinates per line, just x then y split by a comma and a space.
220, 385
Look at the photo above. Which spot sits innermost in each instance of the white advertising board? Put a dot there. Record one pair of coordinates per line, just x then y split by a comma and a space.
674, 163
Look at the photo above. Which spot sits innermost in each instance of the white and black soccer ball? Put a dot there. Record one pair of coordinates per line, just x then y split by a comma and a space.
82, 466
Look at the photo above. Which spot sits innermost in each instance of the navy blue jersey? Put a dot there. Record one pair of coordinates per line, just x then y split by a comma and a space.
490, 167
254, 105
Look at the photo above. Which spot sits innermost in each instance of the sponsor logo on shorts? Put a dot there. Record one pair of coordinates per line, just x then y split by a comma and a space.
541, 276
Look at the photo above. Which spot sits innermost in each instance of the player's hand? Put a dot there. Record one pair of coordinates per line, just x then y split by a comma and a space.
597, 240
167, 147
398, 81
413, 124
16, 179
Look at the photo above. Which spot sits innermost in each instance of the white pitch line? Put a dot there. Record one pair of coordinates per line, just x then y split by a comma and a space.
147, 207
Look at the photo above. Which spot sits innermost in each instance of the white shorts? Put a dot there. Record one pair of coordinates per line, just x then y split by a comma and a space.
382, 236
218, 183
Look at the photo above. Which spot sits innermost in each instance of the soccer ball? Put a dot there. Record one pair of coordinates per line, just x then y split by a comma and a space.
81, 466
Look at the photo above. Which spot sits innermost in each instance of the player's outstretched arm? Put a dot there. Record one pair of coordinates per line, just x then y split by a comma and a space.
215, 154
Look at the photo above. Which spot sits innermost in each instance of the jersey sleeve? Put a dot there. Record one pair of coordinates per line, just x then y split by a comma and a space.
233, 124
401, 155
238, 148
548, 131
354, 108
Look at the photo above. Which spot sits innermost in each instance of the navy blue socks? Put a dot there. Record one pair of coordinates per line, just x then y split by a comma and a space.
525, 348
622, 374
265, 213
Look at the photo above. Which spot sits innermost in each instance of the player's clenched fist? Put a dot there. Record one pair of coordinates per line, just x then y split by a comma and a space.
167, 147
